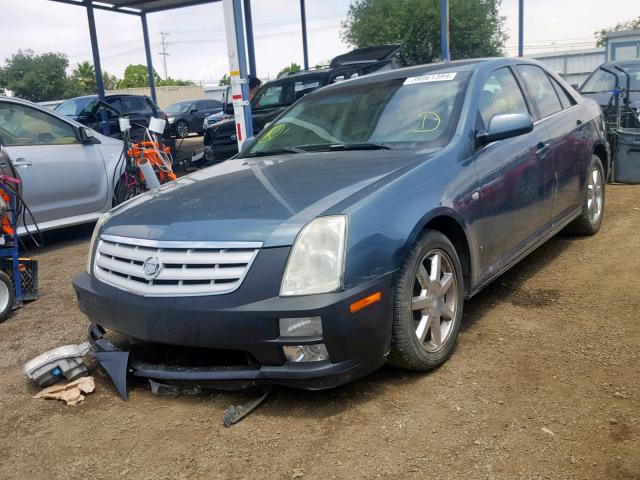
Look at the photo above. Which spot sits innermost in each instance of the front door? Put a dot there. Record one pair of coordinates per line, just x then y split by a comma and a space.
516, 176
61, 177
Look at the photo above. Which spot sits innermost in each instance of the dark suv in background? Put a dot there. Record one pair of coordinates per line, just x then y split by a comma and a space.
88, 110
220, 140
187, 117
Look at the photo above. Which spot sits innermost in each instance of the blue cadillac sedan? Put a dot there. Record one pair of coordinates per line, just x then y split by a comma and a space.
351, 231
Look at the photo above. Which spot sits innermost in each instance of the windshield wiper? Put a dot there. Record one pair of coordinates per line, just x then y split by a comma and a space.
278, 151
359, 146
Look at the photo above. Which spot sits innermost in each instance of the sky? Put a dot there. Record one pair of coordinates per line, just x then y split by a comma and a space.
197, 46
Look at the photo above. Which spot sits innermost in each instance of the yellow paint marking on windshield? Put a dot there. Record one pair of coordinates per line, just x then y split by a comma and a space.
273, 133
429, 122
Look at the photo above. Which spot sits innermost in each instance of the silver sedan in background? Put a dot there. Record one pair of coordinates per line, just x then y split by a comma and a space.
68, 171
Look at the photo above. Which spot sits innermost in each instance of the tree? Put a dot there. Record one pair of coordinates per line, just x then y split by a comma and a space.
601, 35
137, 76
35, 77
110, 81
224, 80
85, 76
476, 29
293, 68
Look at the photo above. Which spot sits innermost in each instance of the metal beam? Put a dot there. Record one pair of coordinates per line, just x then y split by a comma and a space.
444, 31
96, 64
147, 51
234, 30
81, 3
251, 53
303, 20
192, 3
521, 28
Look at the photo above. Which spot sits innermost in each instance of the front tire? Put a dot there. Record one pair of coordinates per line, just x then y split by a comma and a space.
428, 303
590, 220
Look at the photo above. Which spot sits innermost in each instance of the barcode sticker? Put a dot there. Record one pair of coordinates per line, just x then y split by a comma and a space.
432, 77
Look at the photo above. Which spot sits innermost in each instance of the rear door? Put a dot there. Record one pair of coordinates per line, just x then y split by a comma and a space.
516, 176
61, 176
561, 116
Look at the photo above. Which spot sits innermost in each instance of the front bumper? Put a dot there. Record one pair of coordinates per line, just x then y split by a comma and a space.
246, 322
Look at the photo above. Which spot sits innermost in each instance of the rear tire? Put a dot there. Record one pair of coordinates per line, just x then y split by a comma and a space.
592, 215
428, 303
7, 296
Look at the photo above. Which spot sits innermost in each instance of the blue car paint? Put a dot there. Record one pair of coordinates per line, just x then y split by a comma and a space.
506, 198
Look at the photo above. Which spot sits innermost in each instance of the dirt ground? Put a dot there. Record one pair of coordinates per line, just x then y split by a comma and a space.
544, 383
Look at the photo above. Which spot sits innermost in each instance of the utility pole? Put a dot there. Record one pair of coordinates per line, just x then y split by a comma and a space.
164, 52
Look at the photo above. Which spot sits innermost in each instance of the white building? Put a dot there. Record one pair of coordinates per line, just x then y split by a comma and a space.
576, 65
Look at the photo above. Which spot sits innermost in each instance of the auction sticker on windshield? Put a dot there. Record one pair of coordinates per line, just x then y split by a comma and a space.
433, 77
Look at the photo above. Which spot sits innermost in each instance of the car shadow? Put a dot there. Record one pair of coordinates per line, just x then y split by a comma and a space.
38, 244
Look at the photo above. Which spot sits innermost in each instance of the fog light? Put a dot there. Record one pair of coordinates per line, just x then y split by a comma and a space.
306, 353
301, 327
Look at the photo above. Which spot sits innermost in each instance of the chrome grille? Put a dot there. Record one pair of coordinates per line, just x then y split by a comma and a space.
167, 268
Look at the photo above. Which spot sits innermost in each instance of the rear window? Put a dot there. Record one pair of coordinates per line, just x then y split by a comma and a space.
135, 105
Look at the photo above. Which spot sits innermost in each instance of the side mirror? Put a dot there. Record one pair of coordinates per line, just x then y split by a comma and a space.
228, 108
86, 135
503, 126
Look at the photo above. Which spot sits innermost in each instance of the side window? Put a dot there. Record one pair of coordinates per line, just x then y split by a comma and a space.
566, 99
543, 93
501, 94
212, 105
22, 125
202, 105
271, 96
302, 87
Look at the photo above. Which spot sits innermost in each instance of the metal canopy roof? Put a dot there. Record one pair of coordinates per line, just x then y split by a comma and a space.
136, 7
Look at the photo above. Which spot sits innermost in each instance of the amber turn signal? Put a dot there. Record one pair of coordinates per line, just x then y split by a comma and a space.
365, 302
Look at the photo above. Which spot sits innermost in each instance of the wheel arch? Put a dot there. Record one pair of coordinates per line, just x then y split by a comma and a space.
452, 228
601, 152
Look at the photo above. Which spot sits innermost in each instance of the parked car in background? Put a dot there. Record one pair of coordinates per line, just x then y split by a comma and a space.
616, 77
67, 170
215, 118
188, 117
352, 229
87, 110
220, 140
51, 104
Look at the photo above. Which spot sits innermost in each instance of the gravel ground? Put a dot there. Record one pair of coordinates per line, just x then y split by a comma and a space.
544, 383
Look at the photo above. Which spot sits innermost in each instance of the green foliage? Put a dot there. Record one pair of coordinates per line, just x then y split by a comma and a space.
35, 77
110, 81
137, 76
476, 29
601, 35
224, 80
293, 68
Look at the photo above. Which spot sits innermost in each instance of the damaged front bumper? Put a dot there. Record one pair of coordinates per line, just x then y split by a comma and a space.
244, 323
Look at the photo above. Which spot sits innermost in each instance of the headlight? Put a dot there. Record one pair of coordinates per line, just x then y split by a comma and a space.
316, 261
94, 236
171, 119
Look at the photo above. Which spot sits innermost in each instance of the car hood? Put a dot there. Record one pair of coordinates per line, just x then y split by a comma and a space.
265, 199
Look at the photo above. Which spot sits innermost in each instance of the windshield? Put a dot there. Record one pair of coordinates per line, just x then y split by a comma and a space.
398, 113
75, 106
180, 107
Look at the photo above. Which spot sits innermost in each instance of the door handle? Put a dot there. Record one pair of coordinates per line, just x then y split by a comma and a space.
542, 149
21, 162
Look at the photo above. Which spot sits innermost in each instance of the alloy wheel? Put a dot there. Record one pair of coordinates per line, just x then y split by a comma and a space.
594, 194
182, 129
435, 300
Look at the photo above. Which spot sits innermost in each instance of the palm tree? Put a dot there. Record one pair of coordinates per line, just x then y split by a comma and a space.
85, 75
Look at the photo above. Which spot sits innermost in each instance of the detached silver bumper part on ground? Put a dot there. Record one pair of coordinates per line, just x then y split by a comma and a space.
49, 367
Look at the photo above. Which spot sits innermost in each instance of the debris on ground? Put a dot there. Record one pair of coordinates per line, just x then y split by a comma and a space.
71, 393
62, 362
